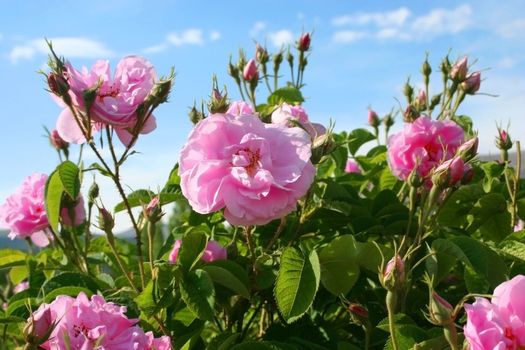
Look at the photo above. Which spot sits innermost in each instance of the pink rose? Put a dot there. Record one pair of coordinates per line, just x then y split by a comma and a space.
24, 211
255, 171
214, 251
250, 71
88, 322
20, 287
117, 98
77, 216
288, 114
499, 324
240, 108
352, 167
450, 172
423, 144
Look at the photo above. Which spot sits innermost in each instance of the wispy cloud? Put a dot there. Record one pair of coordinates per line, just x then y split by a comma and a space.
512, 29
347, 36
257, 28
75, 47
191, 36
281, 37
382, 19
400, 24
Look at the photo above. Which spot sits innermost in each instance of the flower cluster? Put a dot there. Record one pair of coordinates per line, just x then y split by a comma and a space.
83, 323
255, 171
500, 323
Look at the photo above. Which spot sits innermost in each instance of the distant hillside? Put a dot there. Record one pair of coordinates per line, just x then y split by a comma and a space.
6, 242
512, 158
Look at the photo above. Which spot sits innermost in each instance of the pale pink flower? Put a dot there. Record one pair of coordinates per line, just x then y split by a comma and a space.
423, 145
240, 108
20, 287
459, 70
87, 323
500, 324
289, 115
75, 217
255, 171
24, 211
214, 251
352, 167
250, 71
117, 98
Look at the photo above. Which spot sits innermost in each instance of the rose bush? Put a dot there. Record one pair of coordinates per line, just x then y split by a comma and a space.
271, 232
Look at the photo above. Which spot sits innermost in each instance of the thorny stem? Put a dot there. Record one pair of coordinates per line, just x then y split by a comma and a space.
151, 234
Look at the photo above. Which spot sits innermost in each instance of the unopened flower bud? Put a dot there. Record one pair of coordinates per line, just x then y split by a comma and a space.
105, 220
414, 179
250, 72
57, 84
39, 326
89, 96
426, 69
440, 312
290, 58
278, 58
57, 142
410, 114
358, 313
503, 140
408, 91
421, 100
373, 119
303, 44
472, 83
153, 211
241, 62
195, 115
445, 66
393, 276
93, 193
218, 103
161, 91
388, 121
322, 145
449, 173
458, 72
468, 174
233, 71
261, 55
435, 101
469, 149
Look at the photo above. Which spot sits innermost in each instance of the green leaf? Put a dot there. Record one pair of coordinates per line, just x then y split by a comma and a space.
191, 249
491, 217
198, 293
135, 199
262, 345
513, 249
18, 273
12, 257
69, 279
357, 138
339, 269
53, 194
297, 283
230, 275
69, 176
145, 300
287, 94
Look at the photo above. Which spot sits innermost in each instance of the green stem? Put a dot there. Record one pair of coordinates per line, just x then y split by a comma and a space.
151, 235
391, 300
111, 243
451, 335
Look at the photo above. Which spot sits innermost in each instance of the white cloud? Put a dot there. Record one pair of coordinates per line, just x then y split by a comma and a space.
257, 27
215, 35
392, 33
281, 37
507, 62
187, 37
156, 48
512, 29
443, 21
65, 46
381, 19
347, 36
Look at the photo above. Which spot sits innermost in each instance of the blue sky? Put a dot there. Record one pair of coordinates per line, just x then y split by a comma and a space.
362, 54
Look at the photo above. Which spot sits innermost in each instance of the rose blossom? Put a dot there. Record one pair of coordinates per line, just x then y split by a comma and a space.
255, 171
89, 322
77, 216
214, 251
423, 144
20, 287
288, 114
240, 108
24, 211
499, 324
352, 167
116, 101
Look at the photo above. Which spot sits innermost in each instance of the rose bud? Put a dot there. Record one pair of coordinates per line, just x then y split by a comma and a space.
261, 55
105, 220
468, 174
410, 114
218, 103
449, 173
358, 313
421, 100
388, 121
250, 72
426, 69
153, 211
303, 44
503, 140
373, 119
393, 275
57, 142
195, 115
39, 326
469, 149
57, 84
440, 312
458, 73
472, 83
93, 193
